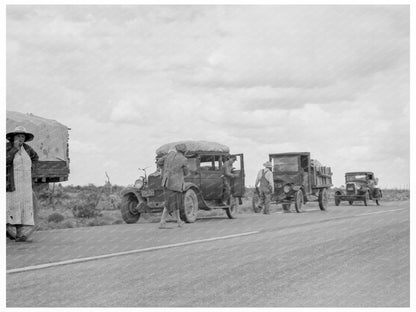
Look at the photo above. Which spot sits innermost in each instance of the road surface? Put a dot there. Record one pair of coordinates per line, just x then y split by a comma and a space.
349, 256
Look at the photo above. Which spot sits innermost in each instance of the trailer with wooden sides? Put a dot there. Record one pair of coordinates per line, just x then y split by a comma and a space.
298, 179
51, 143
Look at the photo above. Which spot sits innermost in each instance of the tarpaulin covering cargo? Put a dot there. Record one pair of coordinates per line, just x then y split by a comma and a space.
194, 147
50, 143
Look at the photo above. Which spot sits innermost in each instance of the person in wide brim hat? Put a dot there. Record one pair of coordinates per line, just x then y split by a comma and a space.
20, 130
19, 199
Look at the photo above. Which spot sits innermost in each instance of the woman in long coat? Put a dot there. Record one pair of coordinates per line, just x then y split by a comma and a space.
19, 159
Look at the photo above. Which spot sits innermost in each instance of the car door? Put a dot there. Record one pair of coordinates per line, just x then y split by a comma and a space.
211, 176
238, 183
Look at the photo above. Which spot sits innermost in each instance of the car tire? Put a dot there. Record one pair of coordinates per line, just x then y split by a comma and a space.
27, 230
232, 210
190, 206
299, 201
323, 199
128, 209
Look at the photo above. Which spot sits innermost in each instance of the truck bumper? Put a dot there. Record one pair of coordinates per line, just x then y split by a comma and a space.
349, 197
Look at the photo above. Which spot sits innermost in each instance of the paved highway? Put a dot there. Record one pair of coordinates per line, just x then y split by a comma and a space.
350, 256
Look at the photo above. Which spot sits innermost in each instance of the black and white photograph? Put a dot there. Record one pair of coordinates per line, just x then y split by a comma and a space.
207, 155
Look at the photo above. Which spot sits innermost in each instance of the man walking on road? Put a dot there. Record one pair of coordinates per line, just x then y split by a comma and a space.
174, 170
265, 186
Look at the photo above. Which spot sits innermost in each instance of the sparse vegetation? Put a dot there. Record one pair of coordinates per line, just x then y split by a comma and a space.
72, 206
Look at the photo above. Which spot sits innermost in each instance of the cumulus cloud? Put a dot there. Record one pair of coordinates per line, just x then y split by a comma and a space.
332, 80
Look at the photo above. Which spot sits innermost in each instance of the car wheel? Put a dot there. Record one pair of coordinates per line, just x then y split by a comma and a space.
128, 209
299, 201
255, 203
27, 230
190, 206
233, 209
323, 199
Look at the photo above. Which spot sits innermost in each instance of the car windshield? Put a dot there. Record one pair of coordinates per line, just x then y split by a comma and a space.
285, 163
355, 177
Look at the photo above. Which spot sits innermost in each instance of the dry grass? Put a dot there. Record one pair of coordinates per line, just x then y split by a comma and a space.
103, 207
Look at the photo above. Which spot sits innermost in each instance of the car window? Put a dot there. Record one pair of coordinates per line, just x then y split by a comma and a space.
285, 163
210, 162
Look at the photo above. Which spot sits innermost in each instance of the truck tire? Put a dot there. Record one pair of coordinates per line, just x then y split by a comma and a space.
190, 206
27, 230
255, 203
299, 201
128, 209
323, 199
232, 210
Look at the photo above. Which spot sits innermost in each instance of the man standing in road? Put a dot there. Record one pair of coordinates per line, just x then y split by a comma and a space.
265, 186
174, 170
227, 176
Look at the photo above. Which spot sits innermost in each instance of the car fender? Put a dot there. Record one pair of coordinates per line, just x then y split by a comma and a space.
135, 191
190, 185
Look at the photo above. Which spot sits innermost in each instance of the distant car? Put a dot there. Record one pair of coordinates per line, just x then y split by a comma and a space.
359, 186
203, 185
298, 179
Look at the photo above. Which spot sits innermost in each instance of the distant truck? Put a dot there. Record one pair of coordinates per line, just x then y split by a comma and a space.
204, 184
51, 144
298, 179
359, 186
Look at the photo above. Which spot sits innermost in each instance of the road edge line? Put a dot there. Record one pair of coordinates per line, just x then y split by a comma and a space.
123, 253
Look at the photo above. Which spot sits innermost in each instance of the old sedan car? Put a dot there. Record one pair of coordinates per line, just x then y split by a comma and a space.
359, 186
203, 189
298, 179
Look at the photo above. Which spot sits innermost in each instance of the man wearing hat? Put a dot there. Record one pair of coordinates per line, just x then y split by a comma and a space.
227, 176
265, 185
174, 169
19, 159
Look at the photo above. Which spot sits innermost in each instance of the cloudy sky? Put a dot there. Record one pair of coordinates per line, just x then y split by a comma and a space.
331, 80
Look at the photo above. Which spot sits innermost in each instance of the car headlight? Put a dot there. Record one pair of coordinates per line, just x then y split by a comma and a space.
138, 183
287, 188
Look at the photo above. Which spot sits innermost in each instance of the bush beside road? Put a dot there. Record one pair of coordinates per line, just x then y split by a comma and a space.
81, 206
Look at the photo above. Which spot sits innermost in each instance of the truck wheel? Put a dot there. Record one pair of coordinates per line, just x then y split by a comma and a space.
299, 201
128, 208
323, 199
233, 209
27, 230
337, 201
255, 203
190, 206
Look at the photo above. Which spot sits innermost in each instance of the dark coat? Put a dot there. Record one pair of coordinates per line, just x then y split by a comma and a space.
174, 170
10, 153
